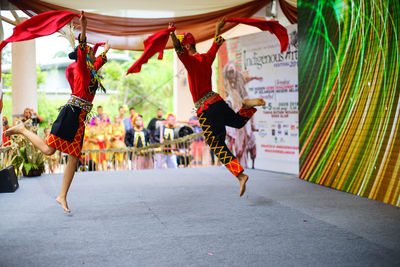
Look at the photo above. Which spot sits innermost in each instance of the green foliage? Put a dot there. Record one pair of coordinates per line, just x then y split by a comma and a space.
6, 80
145, 91
25, 160
60, 53
26, 154
9, 157
6, 55
28, 166
31, 158
40, 78
49, 109
7, 107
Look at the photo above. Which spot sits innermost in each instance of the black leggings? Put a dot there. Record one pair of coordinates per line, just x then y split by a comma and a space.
213, 121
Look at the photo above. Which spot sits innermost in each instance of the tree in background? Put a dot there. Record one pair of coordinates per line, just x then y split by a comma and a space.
7, 84
145, 91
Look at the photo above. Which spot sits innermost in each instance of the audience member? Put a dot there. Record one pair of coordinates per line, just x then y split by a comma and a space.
126, 121
116, 140
31, 114
99, 115
138, 137
132, 113
6, 139
155, 123
198, 144
166, 132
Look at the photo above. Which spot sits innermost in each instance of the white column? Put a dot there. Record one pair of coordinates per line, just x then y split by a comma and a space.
1, 83
183, 103
23, 75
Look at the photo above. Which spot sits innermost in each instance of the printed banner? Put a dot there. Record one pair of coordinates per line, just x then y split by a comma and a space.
252, 66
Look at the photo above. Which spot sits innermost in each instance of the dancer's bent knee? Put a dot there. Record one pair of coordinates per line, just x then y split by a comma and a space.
48, 150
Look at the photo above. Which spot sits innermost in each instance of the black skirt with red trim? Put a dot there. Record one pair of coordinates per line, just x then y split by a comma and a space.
68, 130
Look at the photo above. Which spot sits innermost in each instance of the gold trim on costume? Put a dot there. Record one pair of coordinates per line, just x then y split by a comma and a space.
104, 57
204, 98
139, 135
80, 103
82, 45
219, 40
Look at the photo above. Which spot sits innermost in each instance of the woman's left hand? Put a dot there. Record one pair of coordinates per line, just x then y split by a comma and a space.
106, 47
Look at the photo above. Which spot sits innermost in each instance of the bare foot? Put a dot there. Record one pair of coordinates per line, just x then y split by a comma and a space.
249, 103
17, 129
63, 202
242, 181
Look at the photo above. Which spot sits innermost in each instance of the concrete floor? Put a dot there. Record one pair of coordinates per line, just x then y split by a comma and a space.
194, 217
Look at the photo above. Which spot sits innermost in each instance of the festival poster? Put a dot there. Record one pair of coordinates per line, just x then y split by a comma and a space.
252, 66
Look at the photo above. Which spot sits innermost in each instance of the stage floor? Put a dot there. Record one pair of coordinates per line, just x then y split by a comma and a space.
194, 217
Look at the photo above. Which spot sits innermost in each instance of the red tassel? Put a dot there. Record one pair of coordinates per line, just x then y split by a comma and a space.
272, 26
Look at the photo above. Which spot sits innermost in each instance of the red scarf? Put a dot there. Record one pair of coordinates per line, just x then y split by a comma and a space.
97, 46
37, 26
272, 26
155, 43
40, 25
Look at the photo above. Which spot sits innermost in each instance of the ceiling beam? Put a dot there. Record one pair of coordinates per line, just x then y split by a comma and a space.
5, 5
17, 18
9, 21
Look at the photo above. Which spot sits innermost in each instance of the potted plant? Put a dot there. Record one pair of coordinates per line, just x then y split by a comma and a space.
8, 157
32, 161
29, 160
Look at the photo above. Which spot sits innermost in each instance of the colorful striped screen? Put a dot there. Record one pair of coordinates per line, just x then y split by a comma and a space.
349, 86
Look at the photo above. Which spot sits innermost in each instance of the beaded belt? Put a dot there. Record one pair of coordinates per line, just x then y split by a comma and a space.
208, 99
80, 103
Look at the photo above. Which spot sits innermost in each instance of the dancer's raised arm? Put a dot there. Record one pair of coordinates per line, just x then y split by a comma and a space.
102, 58
106, 47
175, 40
83, 23
220, 24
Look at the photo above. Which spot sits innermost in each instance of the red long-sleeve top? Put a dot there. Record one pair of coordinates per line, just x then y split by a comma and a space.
82, 83
199, 69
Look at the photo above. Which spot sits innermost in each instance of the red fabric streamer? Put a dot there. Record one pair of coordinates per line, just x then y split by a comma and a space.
272, 26
37, 26
155, 43
117, 29
40, 25
97, 46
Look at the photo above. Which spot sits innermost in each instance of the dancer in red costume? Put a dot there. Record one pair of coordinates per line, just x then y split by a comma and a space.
212, 111
68, 130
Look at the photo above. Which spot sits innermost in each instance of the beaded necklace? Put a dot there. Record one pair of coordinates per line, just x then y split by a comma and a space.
95, 74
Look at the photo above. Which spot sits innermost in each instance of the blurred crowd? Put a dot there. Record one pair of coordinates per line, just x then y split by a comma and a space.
29, 114
127, 130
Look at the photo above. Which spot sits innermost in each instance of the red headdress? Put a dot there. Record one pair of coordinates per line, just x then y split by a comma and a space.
134, 119
170, 115
186, 38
